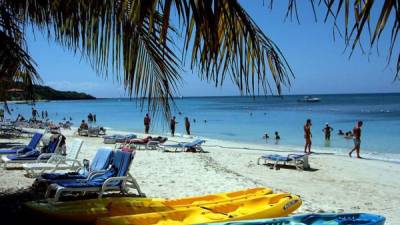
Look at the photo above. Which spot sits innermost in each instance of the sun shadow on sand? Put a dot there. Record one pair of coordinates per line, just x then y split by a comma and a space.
290, 167
12, 207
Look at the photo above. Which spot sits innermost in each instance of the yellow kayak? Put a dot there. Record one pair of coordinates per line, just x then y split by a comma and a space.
90, 210
256, 207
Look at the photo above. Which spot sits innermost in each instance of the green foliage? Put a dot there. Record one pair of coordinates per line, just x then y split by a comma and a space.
48, 93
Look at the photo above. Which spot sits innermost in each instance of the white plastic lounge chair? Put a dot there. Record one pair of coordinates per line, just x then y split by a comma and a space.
300, 161
116, 178
33, 156
183, 146
57, 162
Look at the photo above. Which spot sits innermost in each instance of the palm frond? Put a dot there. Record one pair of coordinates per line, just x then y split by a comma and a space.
354, 28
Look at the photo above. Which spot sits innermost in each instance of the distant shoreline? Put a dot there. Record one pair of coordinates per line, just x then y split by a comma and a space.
260, 96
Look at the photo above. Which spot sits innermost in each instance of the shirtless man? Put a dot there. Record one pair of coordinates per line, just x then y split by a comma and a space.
307, 136
357, 139
327, 131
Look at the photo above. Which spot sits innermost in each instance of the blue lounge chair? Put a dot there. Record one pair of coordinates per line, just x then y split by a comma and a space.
34, 156
115, 178
316, 219
22, 150
300, 161
183, 146
100, 162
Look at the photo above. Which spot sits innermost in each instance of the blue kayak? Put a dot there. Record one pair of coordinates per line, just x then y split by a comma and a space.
316, 219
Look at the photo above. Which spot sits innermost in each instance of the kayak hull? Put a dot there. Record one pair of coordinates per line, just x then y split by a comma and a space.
316, 219
268, 206
87, 211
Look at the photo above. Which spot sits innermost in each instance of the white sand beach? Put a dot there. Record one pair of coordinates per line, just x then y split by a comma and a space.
336, 183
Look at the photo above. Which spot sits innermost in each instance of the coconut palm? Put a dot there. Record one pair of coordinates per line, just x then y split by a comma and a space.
134, 41
357, 19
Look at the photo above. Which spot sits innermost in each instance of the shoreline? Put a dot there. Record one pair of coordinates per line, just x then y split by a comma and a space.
268, 147
335, 184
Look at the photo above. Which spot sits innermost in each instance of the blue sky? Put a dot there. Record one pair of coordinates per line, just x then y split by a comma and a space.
319, 63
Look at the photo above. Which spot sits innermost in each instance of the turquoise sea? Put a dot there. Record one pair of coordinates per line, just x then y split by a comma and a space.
246, 119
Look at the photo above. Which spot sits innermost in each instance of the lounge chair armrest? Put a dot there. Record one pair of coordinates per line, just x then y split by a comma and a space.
111, 179
44, 155
95, 174
75, 162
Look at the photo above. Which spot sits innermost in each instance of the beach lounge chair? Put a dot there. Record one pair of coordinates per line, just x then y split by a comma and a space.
23, 150
184, 146
115, 178
100, 162
83, 132
148, 143
57, 162
34, 156
118, 138
300, 161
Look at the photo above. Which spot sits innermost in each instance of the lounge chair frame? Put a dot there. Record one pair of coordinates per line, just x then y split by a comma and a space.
56, 162
123, 187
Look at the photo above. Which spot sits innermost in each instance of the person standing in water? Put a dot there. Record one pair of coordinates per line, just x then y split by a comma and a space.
146, 122
187, 125
327, 131
173, 125
357, 139
34, 113
307, 136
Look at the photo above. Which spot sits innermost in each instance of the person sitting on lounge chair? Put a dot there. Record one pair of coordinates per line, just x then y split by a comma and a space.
83, 127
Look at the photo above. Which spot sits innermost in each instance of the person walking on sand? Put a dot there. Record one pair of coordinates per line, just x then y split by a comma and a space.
357, 139
173, 125
146, 122
187, 125
307, 136
327, 131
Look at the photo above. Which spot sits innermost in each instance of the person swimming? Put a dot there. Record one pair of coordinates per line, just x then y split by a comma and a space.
340, 132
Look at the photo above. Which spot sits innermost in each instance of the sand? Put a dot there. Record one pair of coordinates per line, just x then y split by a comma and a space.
335, 183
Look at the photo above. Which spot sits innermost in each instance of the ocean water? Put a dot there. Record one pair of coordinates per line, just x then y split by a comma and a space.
247, 119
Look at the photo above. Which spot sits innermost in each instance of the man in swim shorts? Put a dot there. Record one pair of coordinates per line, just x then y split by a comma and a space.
357, 139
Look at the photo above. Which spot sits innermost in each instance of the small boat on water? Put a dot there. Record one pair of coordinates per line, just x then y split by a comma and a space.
309, 99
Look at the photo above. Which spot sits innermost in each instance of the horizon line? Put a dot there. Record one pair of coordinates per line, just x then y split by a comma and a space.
266, 95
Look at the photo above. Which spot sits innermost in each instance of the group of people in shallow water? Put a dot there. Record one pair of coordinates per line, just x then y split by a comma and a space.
173, 122
355, 134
